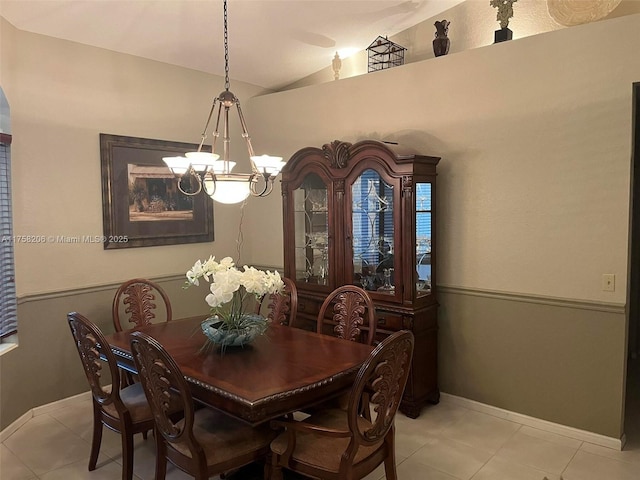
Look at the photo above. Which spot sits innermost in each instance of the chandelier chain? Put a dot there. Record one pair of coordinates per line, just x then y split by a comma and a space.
226, 49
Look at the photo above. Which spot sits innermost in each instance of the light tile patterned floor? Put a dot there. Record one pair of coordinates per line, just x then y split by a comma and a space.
447, 442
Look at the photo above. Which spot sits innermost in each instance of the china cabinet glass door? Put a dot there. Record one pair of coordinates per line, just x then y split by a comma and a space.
372, 236
423, 238
310, 202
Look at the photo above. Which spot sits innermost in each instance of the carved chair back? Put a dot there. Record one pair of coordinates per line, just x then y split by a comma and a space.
352, 310
282, 308
139, 300
336, 444
160, 375
90, 342
381, 382
206, 441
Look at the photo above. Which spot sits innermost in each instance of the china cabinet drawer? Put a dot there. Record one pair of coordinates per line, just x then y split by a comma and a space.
309, 306
389, 321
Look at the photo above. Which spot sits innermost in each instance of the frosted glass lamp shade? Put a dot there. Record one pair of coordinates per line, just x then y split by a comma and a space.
202, 160
222, 166
178, 165
268, 164
230, 188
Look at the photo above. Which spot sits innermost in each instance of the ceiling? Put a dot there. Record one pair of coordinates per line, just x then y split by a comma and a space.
272, 43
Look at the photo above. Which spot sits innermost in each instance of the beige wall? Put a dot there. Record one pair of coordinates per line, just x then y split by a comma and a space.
560, 361
533, 198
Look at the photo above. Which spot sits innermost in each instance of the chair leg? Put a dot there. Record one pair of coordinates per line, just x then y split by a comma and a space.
161, 456
127, 453
96, 439
390, 460
267, 470
276, 470
390, 468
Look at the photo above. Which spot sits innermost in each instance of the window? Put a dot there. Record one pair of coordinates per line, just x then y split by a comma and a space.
423, 235
8, 311
373, 234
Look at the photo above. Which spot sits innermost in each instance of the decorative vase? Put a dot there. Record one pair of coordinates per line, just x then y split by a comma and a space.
502, 35
441, 43
242, 333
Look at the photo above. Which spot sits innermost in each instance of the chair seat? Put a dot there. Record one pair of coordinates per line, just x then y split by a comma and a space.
321, 451
223, 438
135, 401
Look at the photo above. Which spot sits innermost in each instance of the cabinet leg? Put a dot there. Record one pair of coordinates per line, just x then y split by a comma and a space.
411, 411
434, 398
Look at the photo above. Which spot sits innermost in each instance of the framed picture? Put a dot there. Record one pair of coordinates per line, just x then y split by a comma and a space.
141, 203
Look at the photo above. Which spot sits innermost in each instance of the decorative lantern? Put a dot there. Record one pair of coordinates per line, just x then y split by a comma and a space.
383, 53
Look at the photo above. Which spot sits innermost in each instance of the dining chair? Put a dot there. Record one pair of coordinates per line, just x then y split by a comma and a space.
205, 442
352, 309
137, 302
282, 307
336, 444
126, 410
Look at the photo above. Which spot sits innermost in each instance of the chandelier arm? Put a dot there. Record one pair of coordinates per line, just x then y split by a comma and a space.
193, 173
268, 185
206, 126
204, 185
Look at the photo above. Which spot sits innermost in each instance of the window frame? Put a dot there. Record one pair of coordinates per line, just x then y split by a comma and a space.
8, 307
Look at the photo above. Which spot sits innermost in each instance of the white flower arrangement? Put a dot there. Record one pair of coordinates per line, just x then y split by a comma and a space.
230, 289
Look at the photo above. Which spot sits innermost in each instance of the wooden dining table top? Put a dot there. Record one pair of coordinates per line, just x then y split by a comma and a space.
282, 371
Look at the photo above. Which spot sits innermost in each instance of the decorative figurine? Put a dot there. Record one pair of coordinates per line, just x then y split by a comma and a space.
336, 63
441, 43
505, 12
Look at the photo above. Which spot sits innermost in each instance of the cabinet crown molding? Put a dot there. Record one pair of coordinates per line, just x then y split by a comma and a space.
337, 153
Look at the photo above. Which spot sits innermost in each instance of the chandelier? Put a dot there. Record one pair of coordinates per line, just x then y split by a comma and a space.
204, 171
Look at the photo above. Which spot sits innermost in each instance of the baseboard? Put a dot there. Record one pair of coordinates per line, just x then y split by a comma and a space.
65, 402
11, 429
34, 412
575, 433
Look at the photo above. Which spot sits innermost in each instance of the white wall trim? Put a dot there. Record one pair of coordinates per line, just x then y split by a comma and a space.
575, 433
34, 412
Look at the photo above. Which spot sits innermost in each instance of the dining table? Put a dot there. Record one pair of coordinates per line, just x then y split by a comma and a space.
282, 371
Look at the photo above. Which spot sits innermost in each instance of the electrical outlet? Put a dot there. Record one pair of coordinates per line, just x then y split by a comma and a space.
608, 282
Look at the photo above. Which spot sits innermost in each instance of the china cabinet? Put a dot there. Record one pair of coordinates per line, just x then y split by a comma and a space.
360, 214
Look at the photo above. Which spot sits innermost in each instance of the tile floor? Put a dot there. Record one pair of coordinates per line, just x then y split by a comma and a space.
447, 442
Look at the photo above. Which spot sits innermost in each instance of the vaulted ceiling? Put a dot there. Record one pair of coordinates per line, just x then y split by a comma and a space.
272, 43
